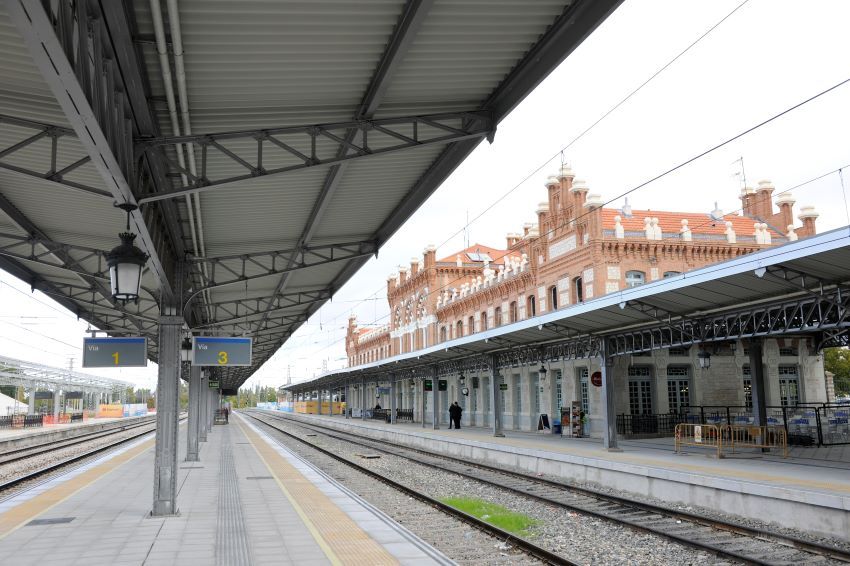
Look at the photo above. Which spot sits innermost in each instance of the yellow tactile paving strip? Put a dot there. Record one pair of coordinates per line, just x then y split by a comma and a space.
341, 539
18, 516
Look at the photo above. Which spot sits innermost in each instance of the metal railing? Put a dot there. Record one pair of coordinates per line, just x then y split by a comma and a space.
813, 424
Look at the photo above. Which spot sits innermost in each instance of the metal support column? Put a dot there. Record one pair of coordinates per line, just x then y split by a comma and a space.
393, 401
421, 389
57, 396
193, 430
319, 402
435, 386
756, 349
347, 400
495, 396
31, 407
167, 400
204, 406
363, 399
609, 410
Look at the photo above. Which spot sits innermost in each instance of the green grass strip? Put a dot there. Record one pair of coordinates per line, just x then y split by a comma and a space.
496, 515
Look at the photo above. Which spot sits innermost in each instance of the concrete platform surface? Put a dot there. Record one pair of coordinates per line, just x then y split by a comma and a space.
248, 501
13, 433
809, 490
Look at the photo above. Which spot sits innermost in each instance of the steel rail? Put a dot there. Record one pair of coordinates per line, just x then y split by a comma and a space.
526, 546
702, 521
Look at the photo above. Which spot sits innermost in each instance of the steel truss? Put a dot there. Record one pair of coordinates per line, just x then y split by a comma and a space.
244, 267
86, 64
824, 313
51, 171
299, 145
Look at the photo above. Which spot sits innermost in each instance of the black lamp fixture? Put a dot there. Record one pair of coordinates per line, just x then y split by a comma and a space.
461, 378
542, 371
704, 359
126, 262
186, 350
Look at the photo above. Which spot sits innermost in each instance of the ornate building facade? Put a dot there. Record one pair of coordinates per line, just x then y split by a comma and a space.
576, 251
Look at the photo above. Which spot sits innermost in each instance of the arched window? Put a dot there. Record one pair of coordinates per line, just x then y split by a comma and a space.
459, 327
531, 306
471, 324
443, 334
635, 278
553, 297
669, 274
483, 320
513, 312
497, 317
578, 290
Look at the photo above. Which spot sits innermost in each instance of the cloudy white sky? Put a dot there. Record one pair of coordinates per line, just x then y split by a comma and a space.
765, 58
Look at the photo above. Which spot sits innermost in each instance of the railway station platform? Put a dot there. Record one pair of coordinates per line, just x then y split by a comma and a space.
247, 501
809, 490
13, 434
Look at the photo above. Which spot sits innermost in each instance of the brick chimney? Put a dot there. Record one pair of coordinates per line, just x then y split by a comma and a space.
747, 197
430, 256
403, 273
764, 200
785, 202
414, 266
807, 216
579, 192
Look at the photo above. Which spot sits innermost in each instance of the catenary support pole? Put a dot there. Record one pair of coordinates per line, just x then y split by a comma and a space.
167, 398
193, 430
609, 411
495, 396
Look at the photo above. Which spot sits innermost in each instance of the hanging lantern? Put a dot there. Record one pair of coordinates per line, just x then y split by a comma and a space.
126, 262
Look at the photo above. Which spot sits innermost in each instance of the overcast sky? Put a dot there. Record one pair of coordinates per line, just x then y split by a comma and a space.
765, 58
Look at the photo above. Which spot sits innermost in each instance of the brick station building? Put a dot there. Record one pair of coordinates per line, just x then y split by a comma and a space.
576, 251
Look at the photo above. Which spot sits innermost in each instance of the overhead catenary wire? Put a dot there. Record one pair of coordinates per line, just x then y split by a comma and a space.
595, 123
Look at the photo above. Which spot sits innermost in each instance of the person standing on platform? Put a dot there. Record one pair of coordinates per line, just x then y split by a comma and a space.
455, 411
226, 414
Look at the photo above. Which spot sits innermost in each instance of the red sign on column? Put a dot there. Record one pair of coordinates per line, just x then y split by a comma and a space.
596, 378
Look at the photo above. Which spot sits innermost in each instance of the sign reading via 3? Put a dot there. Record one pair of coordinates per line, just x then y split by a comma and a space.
218, 351
115, 352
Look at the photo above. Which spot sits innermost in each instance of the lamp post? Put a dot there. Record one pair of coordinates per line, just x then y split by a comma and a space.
126, 262
186, 350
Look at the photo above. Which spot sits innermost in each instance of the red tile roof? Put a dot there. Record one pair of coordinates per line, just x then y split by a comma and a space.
672, 222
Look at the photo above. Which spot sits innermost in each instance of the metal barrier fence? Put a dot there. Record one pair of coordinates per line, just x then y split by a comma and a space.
21, 421
770, 437
813, 424
704, 436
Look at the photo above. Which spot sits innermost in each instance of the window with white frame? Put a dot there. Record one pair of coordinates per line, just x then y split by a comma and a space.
584, 390
789, 385
635, 278
678, 388
640, 390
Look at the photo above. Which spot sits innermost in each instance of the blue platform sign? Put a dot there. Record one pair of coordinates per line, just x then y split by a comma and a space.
221, 351
130, 352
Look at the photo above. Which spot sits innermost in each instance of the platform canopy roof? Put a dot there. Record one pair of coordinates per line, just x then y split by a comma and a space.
32, 375
273, 147
799, 288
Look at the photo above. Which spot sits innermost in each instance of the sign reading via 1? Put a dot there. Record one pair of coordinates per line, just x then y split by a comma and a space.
218, 351
115, 352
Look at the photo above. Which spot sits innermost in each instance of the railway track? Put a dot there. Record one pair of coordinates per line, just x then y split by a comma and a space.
520, 543
728, 540
9, 488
